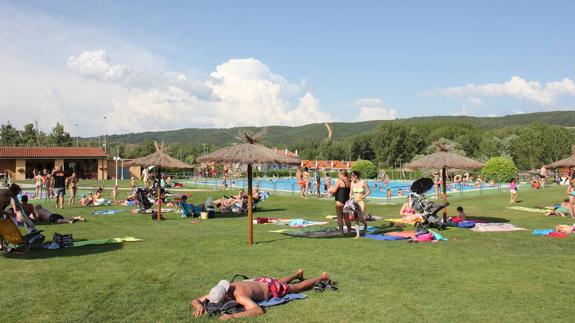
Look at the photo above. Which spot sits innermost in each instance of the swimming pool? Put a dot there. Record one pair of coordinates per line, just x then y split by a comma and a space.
378, 189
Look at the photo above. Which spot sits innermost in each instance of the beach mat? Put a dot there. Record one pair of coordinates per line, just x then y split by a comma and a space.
104, 241
107, 212
496, 227
281, 300
527, 209
322, 233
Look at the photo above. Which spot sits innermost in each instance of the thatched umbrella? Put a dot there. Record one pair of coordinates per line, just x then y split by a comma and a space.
161, 160
567, 162
250, 152
442, 159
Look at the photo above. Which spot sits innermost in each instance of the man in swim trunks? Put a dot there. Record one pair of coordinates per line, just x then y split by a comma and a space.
45, 215
248, 292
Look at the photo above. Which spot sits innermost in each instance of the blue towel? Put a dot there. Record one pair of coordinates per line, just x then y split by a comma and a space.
466, 224
382, 237
108, 212
277, 301
542, 232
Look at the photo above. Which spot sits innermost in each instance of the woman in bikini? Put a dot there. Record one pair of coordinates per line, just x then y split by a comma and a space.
408, 215
306, 180
359, 191
437, 182
73, 187
341, 191
300, 183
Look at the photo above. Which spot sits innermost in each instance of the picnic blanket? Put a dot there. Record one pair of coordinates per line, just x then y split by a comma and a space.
316, 233
527, 209
281, 300
496, 227
299, 223
104, 241
403, 221
384, 237
163, 210
108, 212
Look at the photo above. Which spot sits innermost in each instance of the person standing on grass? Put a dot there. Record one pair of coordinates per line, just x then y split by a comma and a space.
115, 192
47, 180
300, 183
317, 183
571, 194
326, 182
341, 191
60, 187
437, 182
513, 191
359, 191
37, 184
72, 183
306, 180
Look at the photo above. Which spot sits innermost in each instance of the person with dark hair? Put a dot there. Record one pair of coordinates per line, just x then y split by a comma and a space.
45, 215
60, 186
341, 191
9, 198
306, 180
513, 191
248, 292
461, 214
359, 191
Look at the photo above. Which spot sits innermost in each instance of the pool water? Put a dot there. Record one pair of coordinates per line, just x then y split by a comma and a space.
378, 189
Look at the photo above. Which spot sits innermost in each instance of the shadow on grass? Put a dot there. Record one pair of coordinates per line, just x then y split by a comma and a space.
65, 252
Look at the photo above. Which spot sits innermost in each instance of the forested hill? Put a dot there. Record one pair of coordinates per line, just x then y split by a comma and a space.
283, 135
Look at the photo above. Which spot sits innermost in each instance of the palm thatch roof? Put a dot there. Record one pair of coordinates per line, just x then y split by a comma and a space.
160, 159
567, 162
249, 152
444, 158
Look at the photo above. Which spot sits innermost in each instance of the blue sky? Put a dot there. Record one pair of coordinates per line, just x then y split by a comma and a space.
311, 61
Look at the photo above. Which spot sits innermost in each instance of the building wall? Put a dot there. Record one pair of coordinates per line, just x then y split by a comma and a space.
102, 169
7, 164
20, 165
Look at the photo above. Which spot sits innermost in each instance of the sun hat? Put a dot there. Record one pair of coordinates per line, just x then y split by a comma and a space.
218, 293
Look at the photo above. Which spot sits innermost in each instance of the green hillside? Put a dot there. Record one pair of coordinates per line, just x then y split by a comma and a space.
283, 135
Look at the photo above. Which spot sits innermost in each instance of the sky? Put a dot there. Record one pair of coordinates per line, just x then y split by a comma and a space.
131, 66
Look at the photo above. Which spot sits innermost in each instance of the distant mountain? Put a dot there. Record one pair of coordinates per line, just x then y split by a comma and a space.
283, 135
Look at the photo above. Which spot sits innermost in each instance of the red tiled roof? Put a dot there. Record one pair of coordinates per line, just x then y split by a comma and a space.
50, 152
285, 153
328, 164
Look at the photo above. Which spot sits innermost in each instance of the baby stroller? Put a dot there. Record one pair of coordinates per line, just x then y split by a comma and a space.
143, 201
13, 241
427, 209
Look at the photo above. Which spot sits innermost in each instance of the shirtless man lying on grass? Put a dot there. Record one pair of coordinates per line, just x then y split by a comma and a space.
248, 292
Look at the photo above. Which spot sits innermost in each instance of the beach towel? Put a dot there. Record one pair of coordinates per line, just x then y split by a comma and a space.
301, 223
403, 221
424, 237
316, 233
496, 227
281, 300
561, 235
108, 212
466, 224
163, 210
370, 228
542, 232
104, 241
526, 209
384, 237
437, 236
331, 217
405, 234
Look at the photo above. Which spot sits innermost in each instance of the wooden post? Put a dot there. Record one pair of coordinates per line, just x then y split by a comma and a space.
444, 179
250, 207
159, 200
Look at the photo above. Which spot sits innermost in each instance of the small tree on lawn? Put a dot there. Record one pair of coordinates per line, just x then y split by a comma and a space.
499, 169
365, 168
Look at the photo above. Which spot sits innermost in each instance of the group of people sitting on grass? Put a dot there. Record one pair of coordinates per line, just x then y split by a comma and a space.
16, 206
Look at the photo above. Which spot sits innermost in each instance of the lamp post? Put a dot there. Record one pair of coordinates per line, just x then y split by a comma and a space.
122, 163
77, 135
105, 133
116, 159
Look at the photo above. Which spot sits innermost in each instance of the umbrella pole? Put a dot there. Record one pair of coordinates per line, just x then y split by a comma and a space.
159, 188
250, 203
444, 179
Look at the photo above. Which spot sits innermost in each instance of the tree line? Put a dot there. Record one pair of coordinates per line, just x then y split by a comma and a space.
389, 145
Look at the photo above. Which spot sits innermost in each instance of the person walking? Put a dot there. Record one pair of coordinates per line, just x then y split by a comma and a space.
72, 183
341, 191
359, 191
513, 191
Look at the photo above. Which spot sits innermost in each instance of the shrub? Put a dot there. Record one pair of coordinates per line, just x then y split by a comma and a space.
499, 169
365, 168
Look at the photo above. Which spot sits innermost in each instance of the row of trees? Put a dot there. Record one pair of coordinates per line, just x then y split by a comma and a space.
29, 135
391, 144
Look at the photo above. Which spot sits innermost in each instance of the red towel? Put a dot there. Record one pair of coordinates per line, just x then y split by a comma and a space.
560, 235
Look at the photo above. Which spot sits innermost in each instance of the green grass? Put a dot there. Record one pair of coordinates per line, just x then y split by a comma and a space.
474, 277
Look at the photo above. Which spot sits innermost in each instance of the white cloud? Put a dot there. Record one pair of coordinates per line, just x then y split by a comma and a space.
374, 109
54, 70
544, 94
475, 101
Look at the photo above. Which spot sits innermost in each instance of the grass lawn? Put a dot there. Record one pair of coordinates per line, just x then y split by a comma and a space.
507, 276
